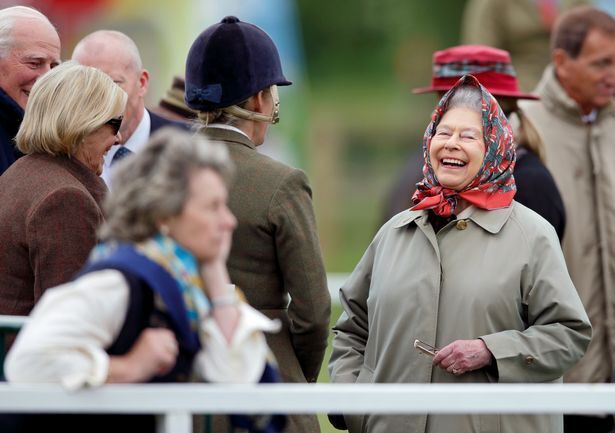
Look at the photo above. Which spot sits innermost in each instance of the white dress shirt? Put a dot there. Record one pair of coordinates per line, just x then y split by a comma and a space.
135, 143
72, 324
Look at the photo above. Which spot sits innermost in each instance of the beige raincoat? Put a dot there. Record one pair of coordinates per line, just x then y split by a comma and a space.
498, 275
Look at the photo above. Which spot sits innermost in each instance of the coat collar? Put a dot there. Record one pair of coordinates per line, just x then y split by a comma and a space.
555, 98
491, 221
92, 182
228, 135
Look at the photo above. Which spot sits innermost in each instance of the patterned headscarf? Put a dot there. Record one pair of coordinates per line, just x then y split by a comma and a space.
494, 184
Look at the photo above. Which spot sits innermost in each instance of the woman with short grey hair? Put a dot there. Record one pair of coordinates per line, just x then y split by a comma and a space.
154, 303
156, 185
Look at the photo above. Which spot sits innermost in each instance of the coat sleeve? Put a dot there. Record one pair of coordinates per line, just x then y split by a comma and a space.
352, 329
558, 330
61, 232
303, 272
68, 330
243, 359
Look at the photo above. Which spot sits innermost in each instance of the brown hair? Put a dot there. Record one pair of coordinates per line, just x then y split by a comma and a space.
571, 28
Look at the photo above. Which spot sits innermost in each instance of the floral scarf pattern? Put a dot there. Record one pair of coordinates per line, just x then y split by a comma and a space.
494, 184
176, 261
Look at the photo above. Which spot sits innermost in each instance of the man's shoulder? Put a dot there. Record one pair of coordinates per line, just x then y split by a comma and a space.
157, 122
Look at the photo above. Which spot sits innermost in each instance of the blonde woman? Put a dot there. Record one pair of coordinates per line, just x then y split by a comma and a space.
51, 198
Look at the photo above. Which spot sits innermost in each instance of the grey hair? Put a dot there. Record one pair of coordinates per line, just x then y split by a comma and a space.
8, 16
153, 185
466, 97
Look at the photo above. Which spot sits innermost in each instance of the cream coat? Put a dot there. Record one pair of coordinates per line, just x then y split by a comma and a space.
580, 156
497, 275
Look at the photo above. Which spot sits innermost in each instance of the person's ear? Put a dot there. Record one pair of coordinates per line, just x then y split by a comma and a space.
143, 82
560, 59
258, 101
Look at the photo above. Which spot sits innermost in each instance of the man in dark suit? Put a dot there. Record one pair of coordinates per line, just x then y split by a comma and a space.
117, 55
29, 47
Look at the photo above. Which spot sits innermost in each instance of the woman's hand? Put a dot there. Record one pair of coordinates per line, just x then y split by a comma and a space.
462, 356
218, 287
153, 354
214, 272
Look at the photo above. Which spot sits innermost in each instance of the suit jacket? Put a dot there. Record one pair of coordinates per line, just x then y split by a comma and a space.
276, 253
11, 115
157, 122
50, 210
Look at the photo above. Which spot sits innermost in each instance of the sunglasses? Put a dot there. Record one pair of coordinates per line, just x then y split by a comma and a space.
115, 123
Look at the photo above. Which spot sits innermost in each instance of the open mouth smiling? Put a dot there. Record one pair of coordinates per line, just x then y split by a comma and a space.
453, 163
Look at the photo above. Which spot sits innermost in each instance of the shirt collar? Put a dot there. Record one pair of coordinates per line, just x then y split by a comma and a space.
590, 117
137, 140
227, 127
489, 220
139, 137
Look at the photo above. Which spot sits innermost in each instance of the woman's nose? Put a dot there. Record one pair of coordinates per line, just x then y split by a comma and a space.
452, 142
230, 219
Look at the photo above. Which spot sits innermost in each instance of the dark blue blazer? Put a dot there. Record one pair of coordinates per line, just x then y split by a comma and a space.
158, 122
11, 116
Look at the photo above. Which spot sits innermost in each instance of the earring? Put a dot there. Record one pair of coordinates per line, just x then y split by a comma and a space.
164, 229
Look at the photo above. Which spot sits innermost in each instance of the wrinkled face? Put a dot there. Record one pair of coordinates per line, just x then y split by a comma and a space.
205, 221
457, 148
117, 65
590, 78
95, 146
36, 49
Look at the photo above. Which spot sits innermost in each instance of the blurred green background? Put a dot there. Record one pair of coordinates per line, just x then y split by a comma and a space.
362, 59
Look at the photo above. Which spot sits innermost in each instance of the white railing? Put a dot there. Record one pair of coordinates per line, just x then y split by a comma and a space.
13, 322
177, 402
334, 282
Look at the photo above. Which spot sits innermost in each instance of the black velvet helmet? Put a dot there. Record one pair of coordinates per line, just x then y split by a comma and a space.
229, 62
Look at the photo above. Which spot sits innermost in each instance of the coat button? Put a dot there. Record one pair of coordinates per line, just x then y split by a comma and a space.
529, 360
462, 225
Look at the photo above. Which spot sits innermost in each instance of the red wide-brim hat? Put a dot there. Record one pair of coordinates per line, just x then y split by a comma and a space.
491, 66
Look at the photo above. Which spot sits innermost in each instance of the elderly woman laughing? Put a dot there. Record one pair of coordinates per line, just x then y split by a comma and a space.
466, 270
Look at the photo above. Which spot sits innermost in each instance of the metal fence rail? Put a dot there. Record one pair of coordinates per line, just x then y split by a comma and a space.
177, 402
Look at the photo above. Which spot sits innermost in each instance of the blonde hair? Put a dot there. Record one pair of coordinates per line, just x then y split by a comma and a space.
65, 105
